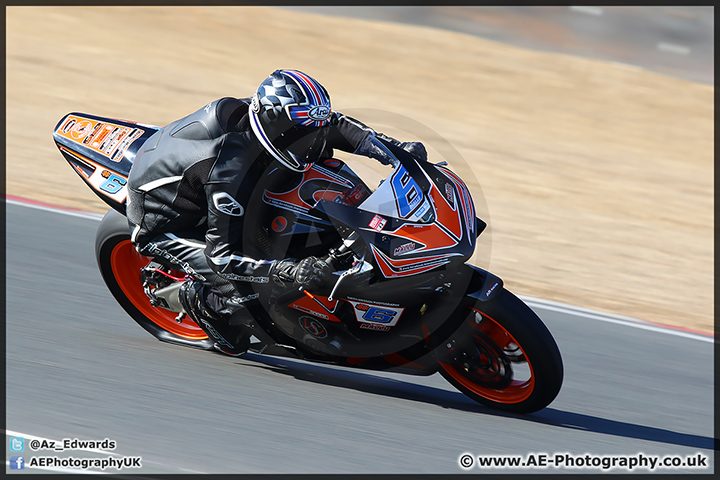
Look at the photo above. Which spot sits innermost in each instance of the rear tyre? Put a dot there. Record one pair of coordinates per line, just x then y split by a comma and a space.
120, 266
504, 357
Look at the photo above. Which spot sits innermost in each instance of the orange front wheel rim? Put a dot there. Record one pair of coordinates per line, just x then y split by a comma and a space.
518, 390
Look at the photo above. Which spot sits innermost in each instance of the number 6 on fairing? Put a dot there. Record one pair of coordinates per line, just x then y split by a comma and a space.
113, 184
379, 315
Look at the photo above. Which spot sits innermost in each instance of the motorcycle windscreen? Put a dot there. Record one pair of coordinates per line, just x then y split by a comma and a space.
399, 196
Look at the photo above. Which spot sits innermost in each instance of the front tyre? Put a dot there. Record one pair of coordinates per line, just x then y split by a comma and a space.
504, 357
120, 266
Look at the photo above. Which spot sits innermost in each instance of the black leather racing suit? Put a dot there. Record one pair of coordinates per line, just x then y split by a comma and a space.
189, 188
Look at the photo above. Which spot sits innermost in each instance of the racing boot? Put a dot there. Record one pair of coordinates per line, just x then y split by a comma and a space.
229, 339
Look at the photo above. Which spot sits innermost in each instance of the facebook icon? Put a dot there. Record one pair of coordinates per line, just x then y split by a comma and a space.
17, 462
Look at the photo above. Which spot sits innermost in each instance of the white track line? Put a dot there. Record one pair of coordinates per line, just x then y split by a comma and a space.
609, 318
597, 11
673, 48
532, 302
72, 213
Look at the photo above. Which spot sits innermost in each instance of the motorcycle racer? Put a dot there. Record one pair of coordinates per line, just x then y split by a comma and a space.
190, 185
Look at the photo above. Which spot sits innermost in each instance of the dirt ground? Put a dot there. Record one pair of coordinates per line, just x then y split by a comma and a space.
596, 178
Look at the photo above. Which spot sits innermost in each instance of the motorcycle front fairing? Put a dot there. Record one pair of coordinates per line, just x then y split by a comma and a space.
419, 219
414, 234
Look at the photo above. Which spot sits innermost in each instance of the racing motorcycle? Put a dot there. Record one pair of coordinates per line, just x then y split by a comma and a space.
403, 298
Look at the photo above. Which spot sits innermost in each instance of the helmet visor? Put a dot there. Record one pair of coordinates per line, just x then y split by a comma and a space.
305, 144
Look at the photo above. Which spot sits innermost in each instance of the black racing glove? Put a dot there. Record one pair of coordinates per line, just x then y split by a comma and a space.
368, 149
310, 273
416, 149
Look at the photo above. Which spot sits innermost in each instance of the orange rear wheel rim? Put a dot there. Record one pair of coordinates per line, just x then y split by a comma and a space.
126, 263
518, 390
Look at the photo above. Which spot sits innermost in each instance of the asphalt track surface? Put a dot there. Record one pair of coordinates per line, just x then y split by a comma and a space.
78, 367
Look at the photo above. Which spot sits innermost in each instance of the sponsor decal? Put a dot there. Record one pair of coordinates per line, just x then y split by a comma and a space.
124, 143
407, 266
100, 136
109, 139
320, 112
241, 300
154, 250
97, 128
420, 212
408, 247
449, 195
311, 312
81, 130
355, 195
464, 200
245, 278
376, 314
332, 163
491, 289
219, 338
313, 327
279, 224
227, 204
374, 302
69, 125
375, 326
377, 223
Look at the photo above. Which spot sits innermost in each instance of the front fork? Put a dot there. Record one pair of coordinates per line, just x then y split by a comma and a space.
483, 287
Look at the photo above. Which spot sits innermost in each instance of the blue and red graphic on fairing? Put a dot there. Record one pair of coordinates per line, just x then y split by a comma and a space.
428, 245
301, 198
466, 203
